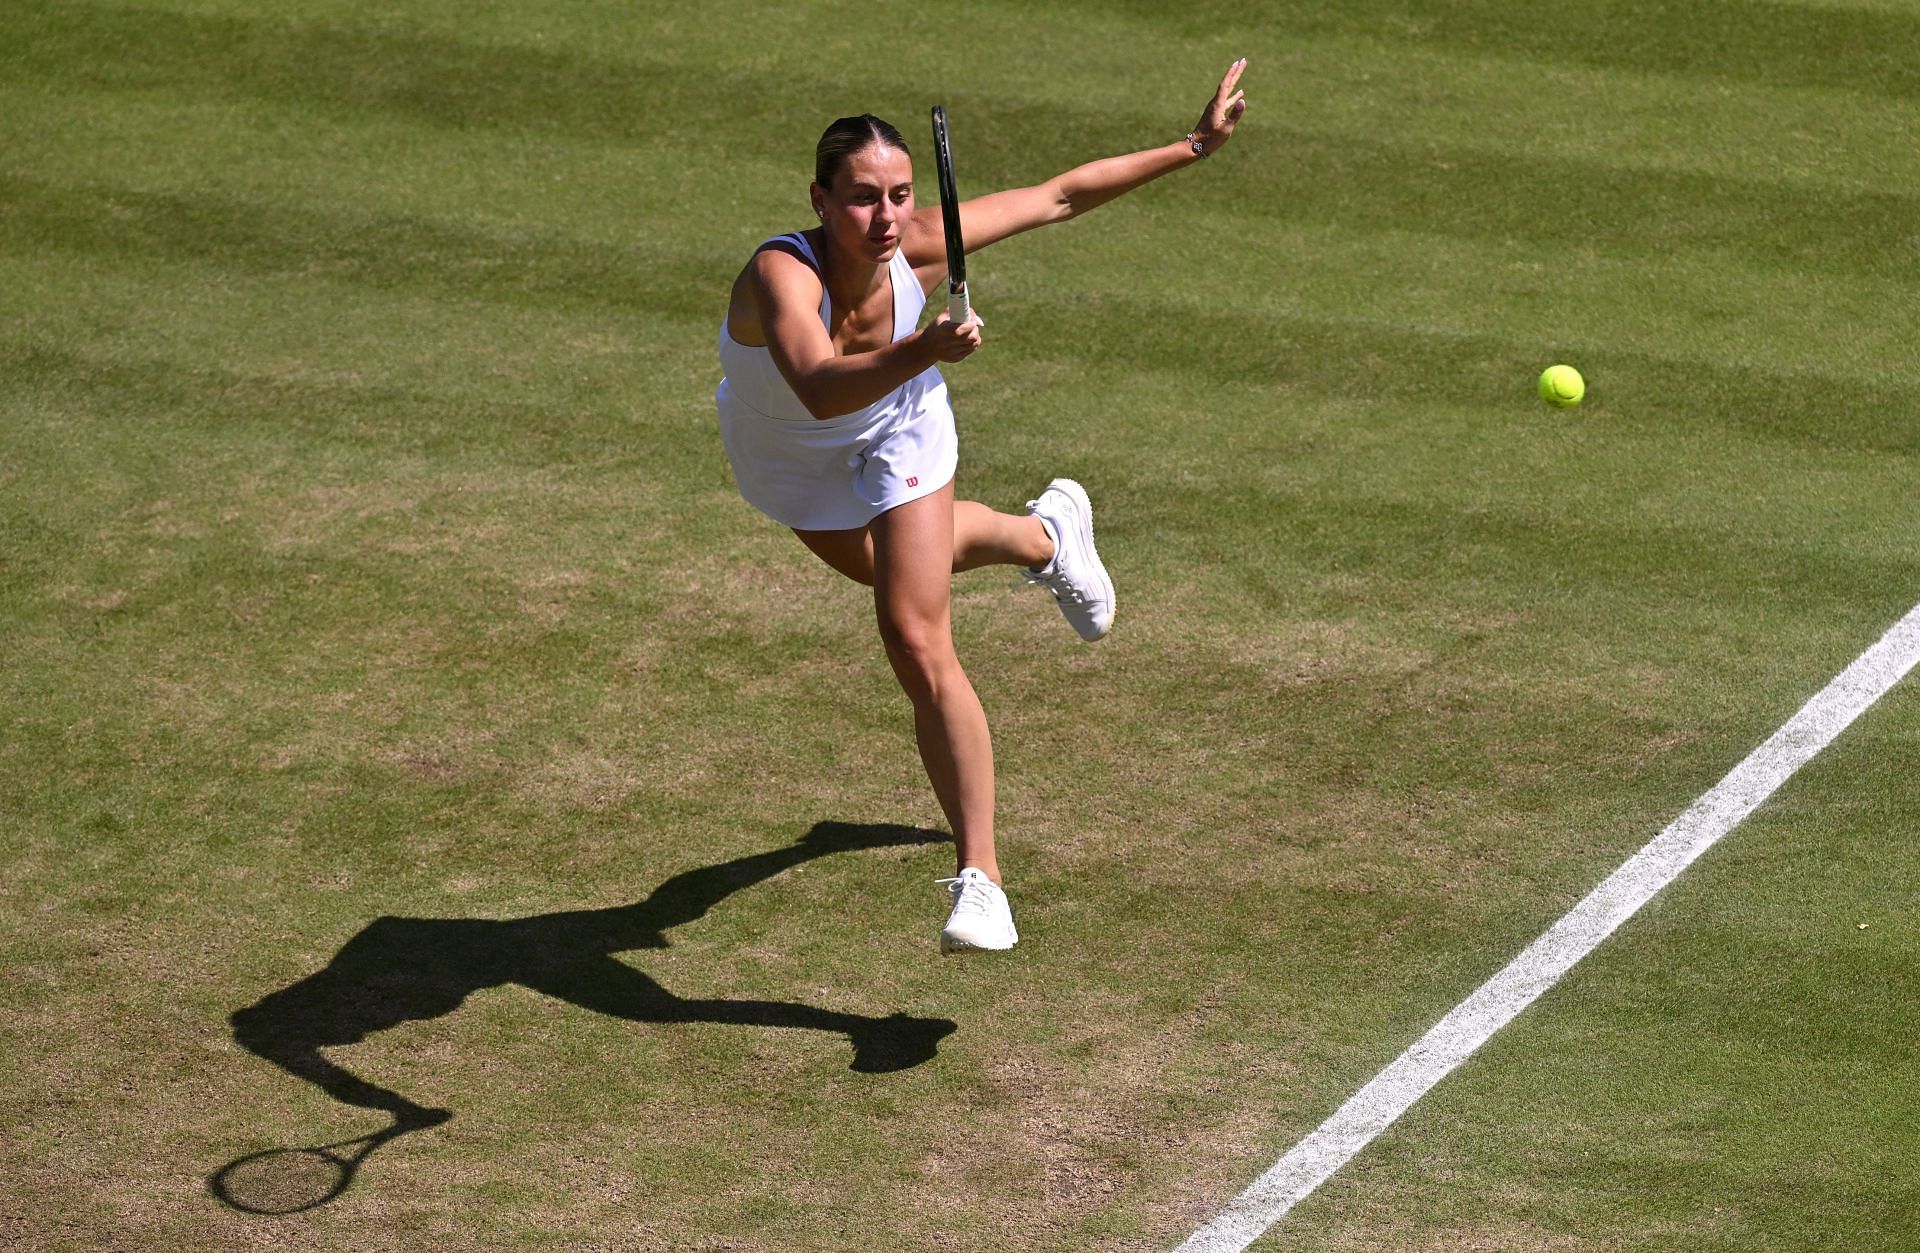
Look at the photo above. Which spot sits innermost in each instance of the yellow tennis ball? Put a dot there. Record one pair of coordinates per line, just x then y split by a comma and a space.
1561, 386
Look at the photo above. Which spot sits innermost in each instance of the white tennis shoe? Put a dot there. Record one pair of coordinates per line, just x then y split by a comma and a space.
981, 917
1076, 578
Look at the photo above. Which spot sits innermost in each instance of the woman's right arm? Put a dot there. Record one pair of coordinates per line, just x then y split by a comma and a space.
787, 293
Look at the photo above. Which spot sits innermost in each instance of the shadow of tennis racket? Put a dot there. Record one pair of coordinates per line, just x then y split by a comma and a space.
287, 1181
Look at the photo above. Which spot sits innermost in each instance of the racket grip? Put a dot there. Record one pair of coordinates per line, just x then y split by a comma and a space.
959, 308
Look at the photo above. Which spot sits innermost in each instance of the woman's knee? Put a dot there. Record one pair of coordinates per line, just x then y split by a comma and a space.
921, 652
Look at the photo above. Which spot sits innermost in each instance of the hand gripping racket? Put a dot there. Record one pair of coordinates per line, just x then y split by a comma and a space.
959, 308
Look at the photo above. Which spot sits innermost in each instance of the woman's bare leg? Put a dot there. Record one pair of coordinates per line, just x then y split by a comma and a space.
981, 537
912, 548
986, 537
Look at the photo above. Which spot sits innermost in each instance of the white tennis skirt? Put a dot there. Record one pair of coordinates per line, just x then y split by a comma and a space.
841, 473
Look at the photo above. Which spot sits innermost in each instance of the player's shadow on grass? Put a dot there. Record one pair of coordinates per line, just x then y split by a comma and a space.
402, 969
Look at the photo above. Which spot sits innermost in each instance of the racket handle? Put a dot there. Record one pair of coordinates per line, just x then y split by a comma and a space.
959, 308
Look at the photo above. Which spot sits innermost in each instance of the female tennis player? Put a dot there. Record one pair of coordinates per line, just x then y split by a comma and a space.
835, 418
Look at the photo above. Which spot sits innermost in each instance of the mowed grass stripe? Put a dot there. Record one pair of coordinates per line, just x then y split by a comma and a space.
1551, 108
430, 78
438, 80
1541, 300
436, 257
249, 429
1302, 179
1388, 363
1734, 41
1576, 203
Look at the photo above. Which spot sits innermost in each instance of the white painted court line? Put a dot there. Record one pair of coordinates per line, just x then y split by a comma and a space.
1453, 1039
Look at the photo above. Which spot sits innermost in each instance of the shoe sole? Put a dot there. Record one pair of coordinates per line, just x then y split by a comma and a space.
953, 948
1078, 495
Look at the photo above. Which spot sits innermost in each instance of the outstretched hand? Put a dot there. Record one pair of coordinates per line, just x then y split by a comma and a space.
1223, 111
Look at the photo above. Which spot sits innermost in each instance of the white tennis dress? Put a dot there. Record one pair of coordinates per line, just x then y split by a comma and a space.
837, 473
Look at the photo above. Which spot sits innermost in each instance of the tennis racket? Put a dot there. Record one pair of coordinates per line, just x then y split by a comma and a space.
959, 308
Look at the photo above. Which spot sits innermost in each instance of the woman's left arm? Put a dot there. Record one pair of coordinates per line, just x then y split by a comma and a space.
991, 218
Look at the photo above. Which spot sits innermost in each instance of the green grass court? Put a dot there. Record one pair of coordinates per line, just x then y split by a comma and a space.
367, 552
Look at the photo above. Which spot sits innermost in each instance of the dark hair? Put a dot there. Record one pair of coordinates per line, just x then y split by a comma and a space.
847, 136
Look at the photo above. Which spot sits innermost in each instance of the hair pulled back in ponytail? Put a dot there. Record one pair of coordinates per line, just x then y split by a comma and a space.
847, 136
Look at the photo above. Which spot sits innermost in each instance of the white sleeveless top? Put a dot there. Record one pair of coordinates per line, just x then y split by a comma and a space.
753, 380
839, 472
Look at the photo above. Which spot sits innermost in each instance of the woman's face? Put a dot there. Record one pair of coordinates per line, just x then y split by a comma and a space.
869, 203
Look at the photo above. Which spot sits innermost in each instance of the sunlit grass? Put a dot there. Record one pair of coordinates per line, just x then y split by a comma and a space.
367, 551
